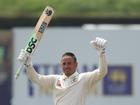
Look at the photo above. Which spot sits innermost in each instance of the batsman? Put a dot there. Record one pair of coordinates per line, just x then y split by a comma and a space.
71, 87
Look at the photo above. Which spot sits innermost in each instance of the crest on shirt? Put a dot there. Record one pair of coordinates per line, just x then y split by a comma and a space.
75, 79
58, 83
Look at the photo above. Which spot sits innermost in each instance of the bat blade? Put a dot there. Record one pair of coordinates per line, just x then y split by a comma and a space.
37, 34
39, 29
43, 21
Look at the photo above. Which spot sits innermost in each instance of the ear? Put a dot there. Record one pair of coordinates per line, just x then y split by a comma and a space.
76, 64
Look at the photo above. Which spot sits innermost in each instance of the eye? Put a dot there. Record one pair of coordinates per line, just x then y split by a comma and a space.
64, 63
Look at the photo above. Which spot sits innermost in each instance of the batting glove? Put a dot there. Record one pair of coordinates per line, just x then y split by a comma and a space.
25, 58
99, 45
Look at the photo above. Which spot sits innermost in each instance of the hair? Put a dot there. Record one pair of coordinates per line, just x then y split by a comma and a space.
71, 55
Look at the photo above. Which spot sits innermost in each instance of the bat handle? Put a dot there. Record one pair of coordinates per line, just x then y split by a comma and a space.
19, 70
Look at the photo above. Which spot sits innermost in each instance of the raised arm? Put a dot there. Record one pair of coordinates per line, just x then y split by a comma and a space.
44, 81
93, 77
99, 44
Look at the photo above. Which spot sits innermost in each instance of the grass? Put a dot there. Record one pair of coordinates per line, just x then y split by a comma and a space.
71, 8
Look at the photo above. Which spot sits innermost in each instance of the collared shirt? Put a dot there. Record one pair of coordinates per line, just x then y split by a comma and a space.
67, 81
67, 90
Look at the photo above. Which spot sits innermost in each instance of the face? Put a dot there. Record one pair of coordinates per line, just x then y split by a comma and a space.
68, 65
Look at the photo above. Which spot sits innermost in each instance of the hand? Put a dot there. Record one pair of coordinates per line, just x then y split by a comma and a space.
99, 45
24, 58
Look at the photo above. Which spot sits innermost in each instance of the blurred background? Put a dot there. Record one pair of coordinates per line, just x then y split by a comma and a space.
74, 24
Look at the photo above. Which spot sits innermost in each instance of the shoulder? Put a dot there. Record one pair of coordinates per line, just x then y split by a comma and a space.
87, 74
83, 75
50, 77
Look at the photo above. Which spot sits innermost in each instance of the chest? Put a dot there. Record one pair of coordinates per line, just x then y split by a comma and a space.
69, 87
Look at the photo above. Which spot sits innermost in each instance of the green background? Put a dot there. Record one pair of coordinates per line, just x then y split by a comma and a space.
71, 8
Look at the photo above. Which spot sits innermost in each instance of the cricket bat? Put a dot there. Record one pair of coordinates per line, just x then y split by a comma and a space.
37, 34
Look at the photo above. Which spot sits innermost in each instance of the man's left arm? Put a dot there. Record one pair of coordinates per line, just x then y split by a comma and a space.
101, 71
93, 77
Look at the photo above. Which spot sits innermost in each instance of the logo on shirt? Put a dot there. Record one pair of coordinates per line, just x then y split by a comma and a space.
75, 79
58, 83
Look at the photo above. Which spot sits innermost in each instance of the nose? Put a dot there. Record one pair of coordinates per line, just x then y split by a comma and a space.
66, 65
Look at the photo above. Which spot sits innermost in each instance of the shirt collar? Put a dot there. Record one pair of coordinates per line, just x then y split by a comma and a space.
70, 77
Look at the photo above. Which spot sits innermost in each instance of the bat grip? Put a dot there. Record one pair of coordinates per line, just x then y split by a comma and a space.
19, 70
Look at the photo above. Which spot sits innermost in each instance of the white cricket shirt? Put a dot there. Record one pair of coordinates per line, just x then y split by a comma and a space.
68, 90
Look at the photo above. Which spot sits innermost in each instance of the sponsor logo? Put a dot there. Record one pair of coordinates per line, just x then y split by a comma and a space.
48, 12
118, 81
42, 27
31, 45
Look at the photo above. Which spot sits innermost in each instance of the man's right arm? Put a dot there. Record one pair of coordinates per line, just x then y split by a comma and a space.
44, 81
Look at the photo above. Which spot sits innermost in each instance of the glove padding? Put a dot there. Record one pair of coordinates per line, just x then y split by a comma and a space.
25, 58
99, 45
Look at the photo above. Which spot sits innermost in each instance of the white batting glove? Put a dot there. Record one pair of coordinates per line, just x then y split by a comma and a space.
25, 58
99, 45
